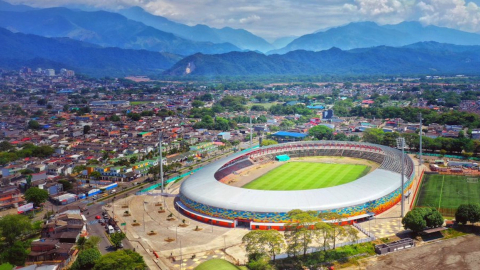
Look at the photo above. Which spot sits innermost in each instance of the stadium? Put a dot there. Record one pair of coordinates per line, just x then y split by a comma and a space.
206, 196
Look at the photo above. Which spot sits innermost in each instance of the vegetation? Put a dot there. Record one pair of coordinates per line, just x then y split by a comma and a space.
86, 259
121, 259
420, 219
217, 264
117, 239
27, 150
468, 213
36, 196
307, 175
321, 132
267, 142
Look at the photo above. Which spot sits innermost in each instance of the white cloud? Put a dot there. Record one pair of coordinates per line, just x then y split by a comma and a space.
249, 19
292, 17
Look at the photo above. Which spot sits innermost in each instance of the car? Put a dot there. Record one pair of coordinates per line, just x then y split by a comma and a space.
98, 217
119, 231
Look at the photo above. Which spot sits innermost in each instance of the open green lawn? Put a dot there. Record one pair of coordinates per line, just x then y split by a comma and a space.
134, 103
307, 175
447, 191
266, 105
6, 266
216, 264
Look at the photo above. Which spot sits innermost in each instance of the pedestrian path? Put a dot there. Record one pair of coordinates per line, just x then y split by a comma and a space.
189, 262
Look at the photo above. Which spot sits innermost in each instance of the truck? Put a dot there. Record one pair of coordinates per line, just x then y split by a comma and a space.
110, 229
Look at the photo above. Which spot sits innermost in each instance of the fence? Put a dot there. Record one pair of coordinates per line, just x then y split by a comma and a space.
143, 191
446, 156
371, 237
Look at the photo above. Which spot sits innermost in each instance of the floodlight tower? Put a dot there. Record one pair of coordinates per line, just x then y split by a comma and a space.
401, 145
160, 138
420, 154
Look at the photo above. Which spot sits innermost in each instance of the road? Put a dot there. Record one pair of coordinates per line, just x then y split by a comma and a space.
96, 209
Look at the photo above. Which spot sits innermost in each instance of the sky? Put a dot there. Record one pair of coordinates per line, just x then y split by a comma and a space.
273, 19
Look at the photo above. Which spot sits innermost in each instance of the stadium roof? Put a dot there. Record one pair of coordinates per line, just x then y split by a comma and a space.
289, 134
202, 187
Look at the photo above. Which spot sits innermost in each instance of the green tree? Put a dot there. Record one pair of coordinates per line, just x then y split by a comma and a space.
117, 238
95, 175
36, 196
121, 259
86, 259
79, 168
419, 219
321, 132
323, 232
287, 124
16, 254
66, 184
86, 129
6, 146
197, 104
133, 159
268, 242
298, 234
13, 226
269, 142
373, 135
467, 213
32, 124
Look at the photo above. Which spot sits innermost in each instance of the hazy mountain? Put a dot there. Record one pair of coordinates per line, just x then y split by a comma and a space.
105, 29
5, 6
370, 34
17, 50
421, 58
283, 41
238, 37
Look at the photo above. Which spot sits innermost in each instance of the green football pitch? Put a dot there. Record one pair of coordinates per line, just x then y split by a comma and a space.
448, 191
307, 175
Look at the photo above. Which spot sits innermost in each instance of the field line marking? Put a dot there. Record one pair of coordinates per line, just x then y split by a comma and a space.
441, 191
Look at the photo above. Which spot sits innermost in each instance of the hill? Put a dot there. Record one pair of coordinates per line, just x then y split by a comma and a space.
421, 58
370, 34
238, 37
17, 50
105, 29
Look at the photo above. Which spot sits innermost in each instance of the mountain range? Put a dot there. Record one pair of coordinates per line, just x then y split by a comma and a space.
419, 58
370, 34
17, 50
238, 37
105, 29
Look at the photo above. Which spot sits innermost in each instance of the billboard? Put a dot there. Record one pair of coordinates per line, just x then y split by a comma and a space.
25, 208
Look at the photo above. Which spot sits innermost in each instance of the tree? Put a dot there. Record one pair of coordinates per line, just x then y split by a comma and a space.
266, 242
86, 129
84, 243
95, 175
419, 219
373, 135
42, 102
133, 159
5, 146
352, 234
269, 142
323, 232
197, 104
36, 196
13, 226
321, 132
121, 259
297, 233
66, 184
86, 259
32, 124
287, 124
79, 168
16, 254
467, 213
117, 238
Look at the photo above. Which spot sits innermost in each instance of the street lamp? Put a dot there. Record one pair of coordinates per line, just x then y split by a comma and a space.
401, 145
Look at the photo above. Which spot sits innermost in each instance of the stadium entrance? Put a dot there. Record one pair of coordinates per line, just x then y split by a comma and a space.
243, 223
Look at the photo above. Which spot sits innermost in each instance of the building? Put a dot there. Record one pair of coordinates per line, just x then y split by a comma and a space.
285, 136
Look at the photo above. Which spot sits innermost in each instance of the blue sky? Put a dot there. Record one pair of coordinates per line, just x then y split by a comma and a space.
277, 18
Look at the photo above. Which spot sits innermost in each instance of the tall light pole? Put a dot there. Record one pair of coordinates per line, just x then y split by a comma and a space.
160, 137
251, 130
401, 145
420, 154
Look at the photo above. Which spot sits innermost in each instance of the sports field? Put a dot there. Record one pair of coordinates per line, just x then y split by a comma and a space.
307, 175
446, 192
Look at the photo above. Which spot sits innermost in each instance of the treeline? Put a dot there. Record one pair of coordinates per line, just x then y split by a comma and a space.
410, 114
291, 109
9, 152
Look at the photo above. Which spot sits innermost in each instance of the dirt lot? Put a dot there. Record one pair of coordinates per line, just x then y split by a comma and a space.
457, 253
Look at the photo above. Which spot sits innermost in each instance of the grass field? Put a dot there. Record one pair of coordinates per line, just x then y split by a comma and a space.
266, 105
446, 192
134, 103
217, 264
307, 175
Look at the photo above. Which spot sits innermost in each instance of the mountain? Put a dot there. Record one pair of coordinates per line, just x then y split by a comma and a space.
17, 50
283, 41
430, 58
105, 29
5, 6
370, 34
238, 37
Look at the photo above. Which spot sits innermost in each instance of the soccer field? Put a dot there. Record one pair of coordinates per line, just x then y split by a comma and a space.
307, 175
446, 192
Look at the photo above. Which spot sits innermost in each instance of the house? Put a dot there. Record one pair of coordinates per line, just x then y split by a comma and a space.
224, 136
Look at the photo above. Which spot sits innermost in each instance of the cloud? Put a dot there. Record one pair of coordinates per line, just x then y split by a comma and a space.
249, 19
292, 17
457, 14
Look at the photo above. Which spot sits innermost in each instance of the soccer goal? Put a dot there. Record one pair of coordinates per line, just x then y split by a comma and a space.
472, 180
